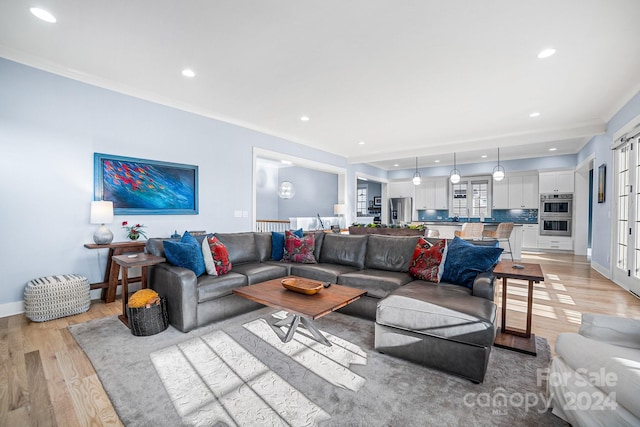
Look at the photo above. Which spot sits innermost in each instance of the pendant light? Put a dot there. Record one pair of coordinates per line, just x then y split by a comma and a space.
498, 171
454, 175
286, 190
417, 179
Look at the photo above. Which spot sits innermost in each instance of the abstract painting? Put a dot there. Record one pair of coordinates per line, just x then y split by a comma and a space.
143, 187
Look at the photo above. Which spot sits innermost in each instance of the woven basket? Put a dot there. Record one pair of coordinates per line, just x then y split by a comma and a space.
145, 321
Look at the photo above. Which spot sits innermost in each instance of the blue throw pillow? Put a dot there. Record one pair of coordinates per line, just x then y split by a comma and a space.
277, 243
186, 253
465, 260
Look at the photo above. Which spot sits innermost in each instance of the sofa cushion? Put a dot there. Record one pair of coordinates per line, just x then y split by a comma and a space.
186, 253
344, 250
426, 261
263, 246
377, 283
277, 243
391, 253
322, 272
220, 256
257, 272
241, 246
213, 287
465, 260
447, 311
298, 249
319, 236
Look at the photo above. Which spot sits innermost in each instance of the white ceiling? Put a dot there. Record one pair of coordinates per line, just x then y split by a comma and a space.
409, 78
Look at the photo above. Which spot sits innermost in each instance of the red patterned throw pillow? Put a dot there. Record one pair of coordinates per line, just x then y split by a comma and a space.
427, 259
298, 249
220, 256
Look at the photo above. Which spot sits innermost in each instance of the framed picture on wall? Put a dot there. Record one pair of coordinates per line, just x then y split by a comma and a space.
602, 182
377, 201
145, 187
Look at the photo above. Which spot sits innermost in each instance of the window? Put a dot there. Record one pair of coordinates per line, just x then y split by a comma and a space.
470, 198
363, 206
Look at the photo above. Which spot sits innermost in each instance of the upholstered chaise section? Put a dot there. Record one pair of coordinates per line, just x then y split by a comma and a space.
441, 326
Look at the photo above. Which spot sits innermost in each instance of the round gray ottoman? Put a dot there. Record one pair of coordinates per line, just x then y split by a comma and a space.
52, 297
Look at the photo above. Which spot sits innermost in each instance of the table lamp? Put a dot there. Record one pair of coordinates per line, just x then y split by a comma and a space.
340, 209
102, 213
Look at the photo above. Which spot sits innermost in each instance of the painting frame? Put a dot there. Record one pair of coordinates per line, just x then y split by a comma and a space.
377, 201
145, 187
602, 182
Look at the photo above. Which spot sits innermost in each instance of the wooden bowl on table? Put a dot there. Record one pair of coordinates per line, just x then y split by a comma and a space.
302, 286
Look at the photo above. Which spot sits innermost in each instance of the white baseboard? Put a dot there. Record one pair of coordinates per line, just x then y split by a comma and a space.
602, 270
11, 308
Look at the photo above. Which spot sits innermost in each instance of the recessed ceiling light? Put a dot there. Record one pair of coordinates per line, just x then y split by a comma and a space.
286, 162
552, 149
436, 161
534, 114
395, 165
484, 156
43, 14
187, 72
545, 53
304, 118
360, 142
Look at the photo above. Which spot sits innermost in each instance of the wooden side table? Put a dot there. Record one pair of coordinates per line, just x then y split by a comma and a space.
510, 338
130, 261
110, 283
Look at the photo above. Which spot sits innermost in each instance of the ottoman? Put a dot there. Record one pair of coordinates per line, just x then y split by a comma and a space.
440, 326
52, 297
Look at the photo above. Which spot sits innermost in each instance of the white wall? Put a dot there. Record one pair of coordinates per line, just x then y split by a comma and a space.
50, 126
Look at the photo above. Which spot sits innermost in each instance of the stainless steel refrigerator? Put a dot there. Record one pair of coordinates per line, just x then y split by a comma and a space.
400, 210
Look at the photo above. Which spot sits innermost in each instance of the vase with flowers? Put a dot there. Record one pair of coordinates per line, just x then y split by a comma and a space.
133, 231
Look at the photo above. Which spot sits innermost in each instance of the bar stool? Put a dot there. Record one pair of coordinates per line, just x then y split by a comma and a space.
502, 233
470, 230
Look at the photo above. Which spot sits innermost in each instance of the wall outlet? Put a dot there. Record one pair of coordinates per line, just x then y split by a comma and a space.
245, 214
237, 214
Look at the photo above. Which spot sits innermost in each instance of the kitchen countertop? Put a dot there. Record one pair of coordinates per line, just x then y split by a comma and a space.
449, 222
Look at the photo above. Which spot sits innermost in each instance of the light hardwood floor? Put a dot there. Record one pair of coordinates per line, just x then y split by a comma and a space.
46, 380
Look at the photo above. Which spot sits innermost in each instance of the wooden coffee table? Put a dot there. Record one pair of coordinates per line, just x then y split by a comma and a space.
301, 308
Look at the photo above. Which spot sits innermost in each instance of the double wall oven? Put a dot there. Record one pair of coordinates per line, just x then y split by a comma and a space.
556, 211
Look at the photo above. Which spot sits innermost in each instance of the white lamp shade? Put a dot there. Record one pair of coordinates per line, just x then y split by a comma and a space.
101, 212
339, 209
416, 179
454, 177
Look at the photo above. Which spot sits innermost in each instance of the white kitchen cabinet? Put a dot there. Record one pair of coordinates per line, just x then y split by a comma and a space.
421, 196
500, 196
562, 243
556, 182
437, 194
432, 194
530, 236
401, 189
523, 192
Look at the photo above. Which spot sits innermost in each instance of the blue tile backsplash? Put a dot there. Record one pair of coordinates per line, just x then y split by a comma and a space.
522, 216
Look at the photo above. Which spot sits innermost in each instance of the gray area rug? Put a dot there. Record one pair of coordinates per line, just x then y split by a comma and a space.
237, 372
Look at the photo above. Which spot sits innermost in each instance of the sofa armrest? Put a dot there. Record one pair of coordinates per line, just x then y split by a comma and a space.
483, 285
614, 330
180, 287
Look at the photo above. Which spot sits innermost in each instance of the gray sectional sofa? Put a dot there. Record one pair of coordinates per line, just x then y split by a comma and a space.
444, 326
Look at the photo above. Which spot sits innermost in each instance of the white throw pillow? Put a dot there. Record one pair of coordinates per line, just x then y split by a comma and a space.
209, 265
